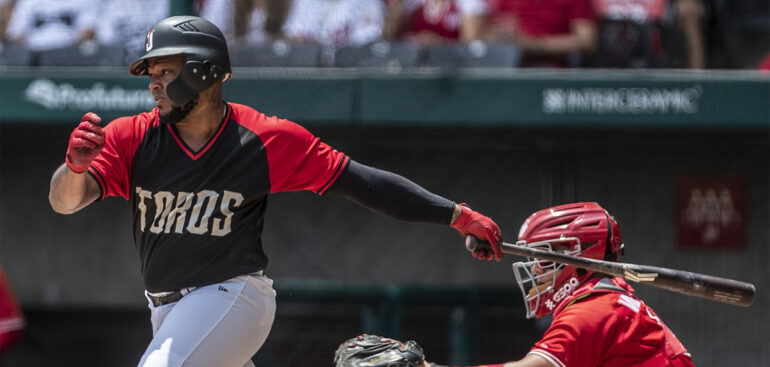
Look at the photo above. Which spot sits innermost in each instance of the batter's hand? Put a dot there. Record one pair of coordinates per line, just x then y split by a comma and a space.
86, 141
484, 228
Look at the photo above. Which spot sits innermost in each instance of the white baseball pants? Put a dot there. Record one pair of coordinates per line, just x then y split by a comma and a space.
221, 325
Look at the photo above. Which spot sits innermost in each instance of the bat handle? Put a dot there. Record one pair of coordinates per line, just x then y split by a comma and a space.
472, 243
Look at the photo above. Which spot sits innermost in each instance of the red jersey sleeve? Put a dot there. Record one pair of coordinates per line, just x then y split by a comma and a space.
112, 167
298, 160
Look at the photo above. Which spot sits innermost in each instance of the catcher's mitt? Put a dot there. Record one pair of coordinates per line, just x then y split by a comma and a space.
376, 351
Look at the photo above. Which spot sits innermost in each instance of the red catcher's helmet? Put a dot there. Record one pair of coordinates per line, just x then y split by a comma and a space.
579, 229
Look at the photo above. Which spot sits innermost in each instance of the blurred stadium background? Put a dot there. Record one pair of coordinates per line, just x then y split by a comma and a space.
680, 157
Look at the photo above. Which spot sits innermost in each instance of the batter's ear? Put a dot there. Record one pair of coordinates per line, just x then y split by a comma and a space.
226, 77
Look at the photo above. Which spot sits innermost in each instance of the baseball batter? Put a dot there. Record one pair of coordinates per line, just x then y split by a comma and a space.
597, 321
196, 171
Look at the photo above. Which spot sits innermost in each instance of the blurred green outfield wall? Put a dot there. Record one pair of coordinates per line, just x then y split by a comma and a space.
431, 97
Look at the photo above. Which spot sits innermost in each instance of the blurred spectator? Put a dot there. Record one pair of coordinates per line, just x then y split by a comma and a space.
637, 10
429, 22
335, 22
549, 32
249, 22
629, 33
6, 7
689, 16
11, 318
125, 22
49, 24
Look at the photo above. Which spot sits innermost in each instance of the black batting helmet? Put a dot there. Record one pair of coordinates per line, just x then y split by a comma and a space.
204, 47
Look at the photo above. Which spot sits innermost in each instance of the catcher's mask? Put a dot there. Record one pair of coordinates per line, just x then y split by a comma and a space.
204, 47
579, 229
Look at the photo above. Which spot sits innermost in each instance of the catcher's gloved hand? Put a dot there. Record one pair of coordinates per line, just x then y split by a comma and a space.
484, 228
86, 141
376, 351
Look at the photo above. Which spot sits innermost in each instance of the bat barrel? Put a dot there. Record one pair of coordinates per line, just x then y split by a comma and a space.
693, 284
718, 289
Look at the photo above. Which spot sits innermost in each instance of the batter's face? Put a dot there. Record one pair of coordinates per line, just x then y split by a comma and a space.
163, 70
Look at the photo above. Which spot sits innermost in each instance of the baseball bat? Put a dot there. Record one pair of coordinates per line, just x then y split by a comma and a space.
692, 284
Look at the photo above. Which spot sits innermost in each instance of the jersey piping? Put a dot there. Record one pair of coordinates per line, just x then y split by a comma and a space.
190, 153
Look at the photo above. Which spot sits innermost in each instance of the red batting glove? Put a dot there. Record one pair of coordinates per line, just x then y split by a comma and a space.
86, 141
484, 228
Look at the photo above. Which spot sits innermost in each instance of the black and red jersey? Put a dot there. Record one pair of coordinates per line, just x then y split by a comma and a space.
198, 216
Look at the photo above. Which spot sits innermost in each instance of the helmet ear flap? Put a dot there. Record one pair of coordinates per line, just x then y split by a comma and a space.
195, 77
213, 71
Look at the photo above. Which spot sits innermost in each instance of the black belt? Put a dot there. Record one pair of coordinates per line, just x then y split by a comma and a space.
175, 296
164, 300
171, 297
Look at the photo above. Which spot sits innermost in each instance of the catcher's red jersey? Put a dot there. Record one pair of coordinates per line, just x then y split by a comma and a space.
604, 324
198, 215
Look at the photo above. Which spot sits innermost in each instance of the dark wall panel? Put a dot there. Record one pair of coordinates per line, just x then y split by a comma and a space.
88, 260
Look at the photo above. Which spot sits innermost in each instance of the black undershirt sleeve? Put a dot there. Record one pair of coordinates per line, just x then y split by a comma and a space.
390, 194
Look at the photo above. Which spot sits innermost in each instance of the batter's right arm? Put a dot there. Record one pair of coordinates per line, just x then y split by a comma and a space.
72, 188
72, 191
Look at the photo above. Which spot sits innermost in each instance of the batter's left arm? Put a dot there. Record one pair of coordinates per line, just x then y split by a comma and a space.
392, 195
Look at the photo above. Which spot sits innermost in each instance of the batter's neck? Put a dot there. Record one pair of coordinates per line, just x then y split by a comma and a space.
197, 128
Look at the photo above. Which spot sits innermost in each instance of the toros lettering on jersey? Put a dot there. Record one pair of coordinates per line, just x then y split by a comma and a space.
186, 211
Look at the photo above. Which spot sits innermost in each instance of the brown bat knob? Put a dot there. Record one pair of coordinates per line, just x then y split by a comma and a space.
472, 243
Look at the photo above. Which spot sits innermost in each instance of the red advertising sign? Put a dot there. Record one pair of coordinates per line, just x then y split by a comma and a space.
711, 211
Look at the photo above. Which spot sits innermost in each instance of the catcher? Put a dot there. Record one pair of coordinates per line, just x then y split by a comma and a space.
597, 320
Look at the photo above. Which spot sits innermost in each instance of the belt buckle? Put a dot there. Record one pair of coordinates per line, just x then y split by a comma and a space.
165, 299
